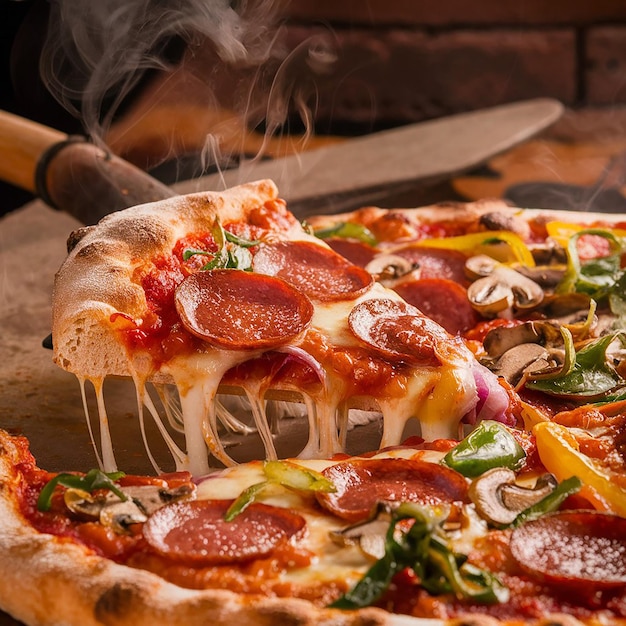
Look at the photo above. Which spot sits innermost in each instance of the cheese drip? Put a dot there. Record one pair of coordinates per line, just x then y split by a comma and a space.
438, 397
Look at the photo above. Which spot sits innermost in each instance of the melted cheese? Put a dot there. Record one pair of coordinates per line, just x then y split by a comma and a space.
332, 561
437, 397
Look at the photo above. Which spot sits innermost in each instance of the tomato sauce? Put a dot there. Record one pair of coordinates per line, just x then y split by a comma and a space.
263, 575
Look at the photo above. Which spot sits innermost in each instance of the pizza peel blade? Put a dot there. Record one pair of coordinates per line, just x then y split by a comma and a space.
366, 170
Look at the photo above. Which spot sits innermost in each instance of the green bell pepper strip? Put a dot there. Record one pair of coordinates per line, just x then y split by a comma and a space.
595, 277
424, 549
489, 445
551, 502
347, 230
282, 473
92, 480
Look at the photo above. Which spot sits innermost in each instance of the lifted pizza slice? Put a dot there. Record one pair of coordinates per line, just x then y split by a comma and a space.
228, 292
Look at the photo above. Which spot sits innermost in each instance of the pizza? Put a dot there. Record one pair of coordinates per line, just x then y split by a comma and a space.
483, 343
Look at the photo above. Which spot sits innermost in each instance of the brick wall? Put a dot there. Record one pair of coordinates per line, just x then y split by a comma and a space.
400, 61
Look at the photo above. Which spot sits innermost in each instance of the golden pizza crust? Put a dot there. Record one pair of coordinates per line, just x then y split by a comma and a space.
97, 278
461, 213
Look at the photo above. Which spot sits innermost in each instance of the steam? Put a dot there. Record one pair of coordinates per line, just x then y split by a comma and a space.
98, 53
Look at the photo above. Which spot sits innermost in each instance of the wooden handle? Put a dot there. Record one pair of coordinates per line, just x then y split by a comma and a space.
22, 143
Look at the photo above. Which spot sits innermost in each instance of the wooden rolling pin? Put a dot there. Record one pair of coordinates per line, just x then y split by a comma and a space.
69, 173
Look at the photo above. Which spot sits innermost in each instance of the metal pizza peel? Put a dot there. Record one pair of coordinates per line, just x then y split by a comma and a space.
376, 168
88, 182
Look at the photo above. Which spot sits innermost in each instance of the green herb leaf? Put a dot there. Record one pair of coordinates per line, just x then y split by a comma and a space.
232, 251
94, 479
189, 252
219, 261
551, 502
240, 241
425, 549
239, 258
348, 230
590, 376
489, 445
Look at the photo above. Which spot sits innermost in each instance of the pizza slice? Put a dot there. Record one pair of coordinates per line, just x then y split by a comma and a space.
228, 292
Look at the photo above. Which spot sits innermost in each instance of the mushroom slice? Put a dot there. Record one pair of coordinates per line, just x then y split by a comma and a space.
499, 220
547, 276
499, 500
480, 266
518, 361
149, 498
141, 501
575, 311
532, 350
83, 504
500, 340
370, 535
389, 267
490, 296
520, 498
122, 514
502, 289
548, 253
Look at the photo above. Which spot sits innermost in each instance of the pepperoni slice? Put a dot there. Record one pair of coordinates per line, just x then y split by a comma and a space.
356, 252
397, 330
443, 300
436, 262
361, 483
317, 271
573, 547
240, 310
196, 533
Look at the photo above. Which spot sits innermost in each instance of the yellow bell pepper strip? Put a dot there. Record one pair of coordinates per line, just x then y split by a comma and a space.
562, 231
516, 251
560, 453
532, 415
